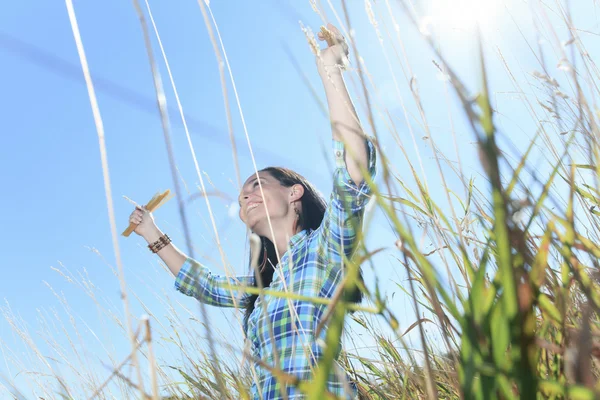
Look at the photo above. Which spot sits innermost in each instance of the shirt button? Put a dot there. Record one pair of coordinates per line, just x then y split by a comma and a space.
338, 153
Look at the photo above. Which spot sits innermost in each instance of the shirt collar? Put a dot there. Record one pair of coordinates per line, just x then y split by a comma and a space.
298, 237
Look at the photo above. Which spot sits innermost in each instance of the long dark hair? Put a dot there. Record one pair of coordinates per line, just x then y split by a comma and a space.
313, 211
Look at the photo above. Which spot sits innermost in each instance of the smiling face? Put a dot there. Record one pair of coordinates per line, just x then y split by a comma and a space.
279, 201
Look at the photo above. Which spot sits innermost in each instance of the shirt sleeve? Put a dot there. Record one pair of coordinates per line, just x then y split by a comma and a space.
195, 280
344, 214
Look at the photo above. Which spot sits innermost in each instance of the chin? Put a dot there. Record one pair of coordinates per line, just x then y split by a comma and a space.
260, 227
252, 224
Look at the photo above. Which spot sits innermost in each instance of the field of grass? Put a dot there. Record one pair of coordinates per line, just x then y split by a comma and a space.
512, 287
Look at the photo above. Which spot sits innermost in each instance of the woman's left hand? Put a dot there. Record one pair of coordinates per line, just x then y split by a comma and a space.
337, 48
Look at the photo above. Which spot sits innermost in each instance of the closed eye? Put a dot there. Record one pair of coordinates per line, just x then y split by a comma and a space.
256, 182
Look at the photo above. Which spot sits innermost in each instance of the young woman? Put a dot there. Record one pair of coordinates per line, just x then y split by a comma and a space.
309, 236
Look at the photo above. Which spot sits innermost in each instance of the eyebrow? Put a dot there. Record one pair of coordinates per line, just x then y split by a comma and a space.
254, 180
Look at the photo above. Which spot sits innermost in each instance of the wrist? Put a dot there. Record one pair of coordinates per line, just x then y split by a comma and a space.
330, 71
152, 235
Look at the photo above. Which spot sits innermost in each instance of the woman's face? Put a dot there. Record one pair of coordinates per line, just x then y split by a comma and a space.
278, 200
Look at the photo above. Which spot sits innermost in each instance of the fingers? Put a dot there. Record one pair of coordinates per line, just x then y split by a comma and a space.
333, 29
336, 32
339, 38
137, 216
332, 35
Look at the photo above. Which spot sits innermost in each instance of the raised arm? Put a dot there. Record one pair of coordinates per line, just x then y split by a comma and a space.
345, 124
353, 150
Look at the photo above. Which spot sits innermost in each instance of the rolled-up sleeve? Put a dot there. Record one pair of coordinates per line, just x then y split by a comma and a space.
344, 214
196, 280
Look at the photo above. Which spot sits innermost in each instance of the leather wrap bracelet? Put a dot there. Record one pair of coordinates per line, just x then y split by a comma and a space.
160, 243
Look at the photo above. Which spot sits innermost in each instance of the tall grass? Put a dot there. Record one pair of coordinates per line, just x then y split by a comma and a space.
511, 286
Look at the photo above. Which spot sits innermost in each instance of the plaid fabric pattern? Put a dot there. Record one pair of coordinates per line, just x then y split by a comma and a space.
284, 335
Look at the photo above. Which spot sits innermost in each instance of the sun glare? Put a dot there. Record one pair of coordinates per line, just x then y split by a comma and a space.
461, 15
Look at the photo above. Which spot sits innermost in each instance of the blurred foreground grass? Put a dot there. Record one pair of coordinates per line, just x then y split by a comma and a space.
512, 288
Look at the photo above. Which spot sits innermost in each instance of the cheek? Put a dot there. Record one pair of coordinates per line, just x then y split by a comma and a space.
277, 204
267, 198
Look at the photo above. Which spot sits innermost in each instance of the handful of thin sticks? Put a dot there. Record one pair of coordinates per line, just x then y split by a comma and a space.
329, 36
155, 202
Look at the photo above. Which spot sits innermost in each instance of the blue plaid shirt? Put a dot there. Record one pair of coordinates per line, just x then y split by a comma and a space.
311, 267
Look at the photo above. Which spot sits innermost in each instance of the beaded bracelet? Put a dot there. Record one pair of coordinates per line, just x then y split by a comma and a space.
160, 243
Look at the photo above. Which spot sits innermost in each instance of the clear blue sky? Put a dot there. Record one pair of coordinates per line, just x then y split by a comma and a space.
53, 204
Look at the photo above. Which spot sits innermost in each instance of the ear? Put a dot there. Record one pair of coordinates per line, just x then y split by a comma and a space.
296, 192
